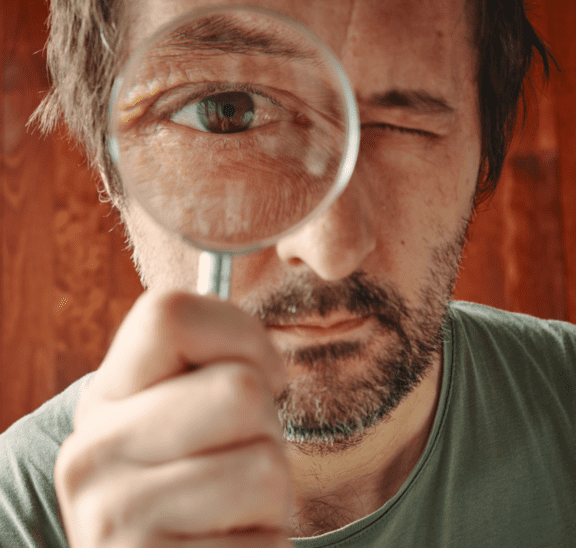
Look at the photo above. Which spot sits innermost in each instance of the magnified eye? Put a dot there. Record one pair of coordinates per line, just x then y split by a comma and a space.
229, 112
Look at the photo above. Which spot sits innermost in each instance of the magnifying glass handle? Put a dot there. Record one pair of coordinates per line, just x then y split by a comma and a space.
214, 271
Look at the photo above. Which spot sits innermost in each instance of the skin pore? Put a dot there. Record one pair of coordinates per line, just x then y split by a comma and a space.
355, 300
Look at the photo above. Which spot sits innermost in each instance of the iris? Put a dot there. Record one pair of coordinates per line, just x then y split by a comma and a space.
229, 112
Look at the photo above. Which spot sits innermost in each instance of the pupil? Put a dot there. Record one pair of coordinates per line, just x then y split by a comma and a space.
228, 110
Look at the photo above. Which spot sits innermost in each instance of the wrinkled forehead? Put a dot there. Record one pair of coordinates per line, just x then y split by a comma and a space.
422, 44
335, 21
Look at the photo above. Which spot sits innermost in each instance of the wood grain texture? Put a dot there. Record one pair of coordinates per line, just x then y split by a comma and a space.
67, 280
27, 377
517, 256
561, 22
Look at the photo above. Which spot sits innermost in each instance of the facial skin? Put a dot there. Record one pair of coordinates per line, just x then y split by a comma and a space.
362, 395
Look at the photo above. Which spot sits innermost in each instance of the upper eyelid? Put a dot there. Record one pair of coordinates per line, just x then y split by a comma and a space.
170, 107
210, 89
402, 129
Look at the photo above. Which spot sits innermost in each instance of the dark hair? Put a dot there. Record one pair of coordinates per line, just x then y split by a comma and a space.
84, 57
506, 42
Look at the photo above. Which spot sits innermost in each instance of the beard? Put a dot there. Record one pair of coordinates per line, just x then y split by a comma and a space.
330, 408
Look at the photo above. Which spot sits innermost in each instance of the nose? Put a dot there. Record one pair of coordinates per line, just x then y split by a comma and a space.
335, 244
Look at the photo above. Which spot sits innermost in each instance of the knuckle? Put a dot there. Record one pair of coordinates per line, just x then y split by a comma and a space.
173, 302
73, 466
170, 307
114, 507
164, 299
105, 515
81, 456
247, 382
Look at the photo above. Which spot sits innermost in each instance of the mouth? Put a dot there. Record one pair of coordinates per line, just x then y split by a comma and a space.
318, 328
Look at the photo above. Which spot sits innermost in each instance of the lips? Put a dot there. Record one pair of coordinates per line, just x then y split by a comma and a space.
318, 327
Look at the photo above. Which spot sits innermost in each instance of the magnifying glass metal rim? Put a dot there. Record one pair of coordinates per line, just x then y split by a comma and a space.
352, 123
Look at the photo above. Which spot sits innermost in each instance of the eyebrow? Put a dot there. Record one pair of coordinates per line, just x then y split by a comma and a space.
225, 34
419, 102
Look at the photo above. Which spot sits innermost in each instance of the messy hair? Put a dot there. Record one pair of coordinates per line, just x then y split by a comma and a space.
506, 42
85, 54
84, 57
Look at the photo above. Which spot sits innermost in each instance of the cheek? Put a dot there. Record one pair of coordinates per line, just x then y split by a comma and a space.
162, 258
418, 189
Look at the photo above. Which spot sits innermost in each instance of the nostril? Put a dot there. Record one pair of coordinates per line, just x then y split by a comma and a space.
295, 261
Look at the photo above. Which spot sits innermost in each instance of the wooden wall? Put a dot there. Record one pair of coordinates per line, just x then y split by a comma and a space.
522, 253
67, 281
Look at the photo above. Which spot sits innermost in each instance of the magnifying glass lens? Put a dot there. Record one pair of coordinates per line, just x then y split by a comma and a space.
233, 126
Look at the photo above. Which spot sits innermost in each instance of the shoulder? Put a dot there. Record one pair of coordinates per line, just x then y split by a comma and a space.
28, 451
517, 350
50, 424
500, 327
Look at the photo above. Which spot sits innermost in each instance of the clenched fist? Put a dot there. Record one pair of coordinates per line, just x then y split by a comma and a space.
176, 441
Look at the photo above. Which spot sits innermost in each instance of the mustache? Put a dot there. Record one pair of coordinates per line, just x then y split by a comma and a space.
305, 295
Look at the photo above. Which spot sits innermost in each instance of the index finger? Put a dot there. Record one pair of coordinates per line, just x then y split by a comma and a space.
165, 332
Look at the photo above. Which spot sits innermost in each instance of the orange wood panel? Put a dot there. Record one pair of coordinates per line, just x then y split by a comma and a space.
516, 257
66, 279
27, 342
561, 22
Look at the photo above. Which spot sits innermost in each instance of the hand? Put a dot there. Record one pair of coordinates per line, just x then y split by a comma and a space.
162, 456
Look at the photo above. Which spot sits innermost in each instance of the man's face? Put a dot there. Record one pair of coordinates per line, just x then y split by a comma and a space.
355, 300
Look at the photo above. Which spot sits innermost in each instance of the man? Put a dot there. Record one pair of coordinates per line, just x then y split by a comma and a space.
405, 419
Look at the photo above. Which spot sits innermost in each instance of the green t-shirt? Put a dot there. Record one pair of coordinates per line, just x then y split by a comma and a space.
499, 468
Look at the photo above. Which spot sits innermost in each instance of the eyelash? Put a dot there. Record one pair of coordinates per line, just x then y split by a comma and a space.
401, 129
167, 111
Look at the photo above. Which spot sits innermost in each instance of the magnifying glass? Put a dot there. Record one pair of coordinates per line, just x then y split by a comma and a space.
233, 126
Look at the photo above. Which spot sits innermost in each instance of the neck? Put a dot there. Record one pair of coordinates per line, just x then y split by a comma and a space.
334, 490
